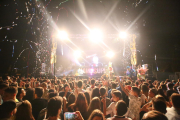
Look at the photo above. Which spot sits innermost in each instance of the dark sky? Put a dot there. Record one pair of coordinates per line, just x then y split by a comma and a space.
157, 29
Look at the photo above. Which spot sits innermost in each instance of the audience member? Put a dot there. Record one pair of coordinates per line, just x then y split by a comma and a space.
10, 94
54, 108
89, 89
120, 113
24, 111
96, 115
87, 97
159, 105
3, 86
80, 105
38, 103
134, 103
95, 93
116, 96
104, 98
21, 93
94, 104
173, 113
170, 90
154, 115
46, 91
29, 94
8, 110
66, 92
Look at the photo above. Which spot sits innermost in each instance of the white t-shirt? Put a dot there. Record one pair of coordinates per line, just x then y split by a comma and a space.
172, 114
89, 90
111, 109
134, 107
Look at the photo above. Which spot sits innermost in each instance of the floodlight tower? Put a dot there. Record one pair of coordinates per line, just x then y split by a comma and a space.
61, 35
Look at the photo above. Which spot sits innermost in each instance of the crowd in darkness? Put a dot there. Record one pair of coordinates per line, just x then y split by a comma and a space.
70, 98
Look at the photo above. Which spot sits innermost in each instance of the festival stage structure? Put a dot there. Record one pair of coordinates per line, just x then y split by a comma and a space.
125, 54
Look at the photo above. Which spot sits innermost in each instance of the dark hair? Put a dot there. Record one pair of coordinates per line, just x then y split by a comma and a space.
53, 94
94, 104
39, 91
19, 92
29, 94
113, 85
154, 115
175, 100
64, 81
135, 89
167, 80
118, 94
154, 91
95, 93
54, 104
51, 90
65, 85
87, 97
144, 88
3, 85
24, 111
92, 82
164, 87
161, 92
159, 105
96, 113
44, 84
170, 85
61, 87
81, 103
6, 108
71, 99
13, 84
102, 91
146, 83
11, 90
137, 83
149, 81
27, 85
79, 84
71, 86
119, 105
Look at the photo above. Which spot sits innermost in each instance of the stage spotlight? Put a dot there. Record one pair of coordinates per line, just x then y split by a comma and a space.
95, 35
62, 35
95, 59
123, 35
77, 53
110, 54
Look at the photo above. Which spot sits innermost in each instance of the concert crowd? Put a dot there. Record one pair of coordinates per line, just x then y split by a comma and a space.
73, 98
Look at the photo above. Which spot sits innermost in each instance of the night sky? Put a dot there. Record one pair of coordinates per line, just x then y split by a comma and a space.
25, 29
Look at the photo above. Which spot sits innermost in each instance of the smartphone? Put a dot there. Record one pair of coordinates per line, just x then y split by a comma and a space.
70, 116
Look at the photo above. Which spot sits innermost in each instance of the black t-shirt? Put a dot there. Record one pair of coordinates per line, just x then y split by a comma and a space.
37, 106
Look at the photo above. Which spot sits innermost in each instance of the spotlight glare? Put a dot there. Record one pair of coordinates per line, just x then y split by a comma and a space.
95, 35
95, 59
62, 35
77, 53
123, 35
110, 54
